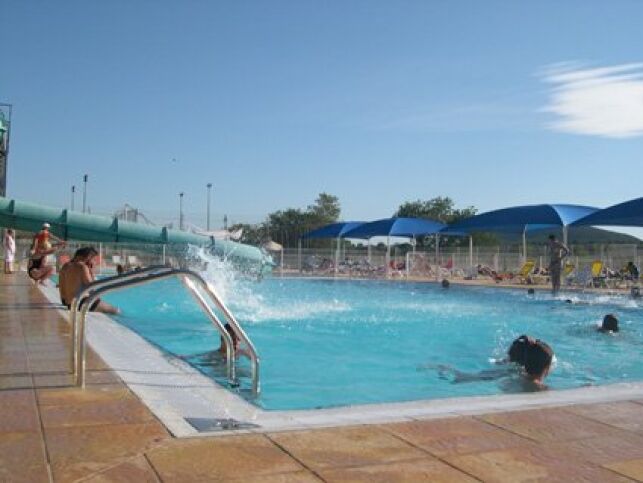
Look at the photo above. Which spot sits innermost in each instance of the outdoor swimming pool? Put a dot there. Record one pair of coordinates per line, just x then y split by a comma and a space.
327, 343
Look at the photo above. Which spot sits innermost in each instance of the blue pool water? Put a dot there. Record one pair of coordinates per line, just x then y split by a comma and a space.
328, 343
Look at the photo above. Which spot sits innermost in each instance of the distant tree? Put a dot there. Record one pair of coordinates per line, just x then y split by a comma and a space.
442, 208
287, 226
325, 210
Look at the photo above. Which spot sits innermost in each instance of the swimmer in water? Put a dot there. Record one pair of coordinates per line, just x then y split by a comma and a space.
527, 356
221, 354
609, 325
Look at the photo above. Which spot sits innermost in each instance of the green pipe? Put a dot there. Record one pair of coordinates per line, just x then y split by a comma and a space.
71, 225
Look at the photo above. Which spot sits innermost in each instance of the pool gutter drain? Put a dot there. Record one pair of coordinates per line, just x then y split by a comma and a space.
209, 425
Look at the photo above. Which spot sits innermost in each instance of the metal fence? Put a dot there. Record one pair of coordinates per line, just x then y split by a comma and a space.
458, 260
358, 261
110, 254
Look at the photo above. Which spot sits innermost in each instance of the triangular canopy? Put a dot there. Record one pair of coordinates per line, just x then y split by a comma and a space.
523, 218
628, 213
334, 230
406, 227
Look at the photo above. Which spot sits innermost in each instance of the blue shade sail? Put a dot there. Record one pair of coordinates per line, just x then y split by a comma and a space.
628, 213
334, 230
407, 227
520, 218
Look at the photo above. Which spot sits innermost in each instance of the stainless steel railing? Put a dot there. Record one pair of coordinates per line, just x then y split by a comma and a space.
84, 300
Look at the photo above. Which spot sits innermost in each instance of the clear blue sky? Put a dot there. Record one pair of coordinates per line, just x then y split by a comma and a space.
276, 101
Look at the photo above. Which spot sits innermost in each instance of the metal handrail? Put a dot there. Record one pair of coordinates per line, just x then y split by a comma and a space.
73, 308
93, 291
253, 356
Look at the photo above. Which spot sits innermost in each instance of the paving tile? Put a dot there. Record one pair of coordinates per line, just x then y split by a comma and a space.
625, 414
548, 424
134, 470
73, 395
220, 458
123, 411
632, 468
603, 450
407, 471
22, 457
77, 452
61, 379
353, 446
455, 435
297, 477
19, 412
9, 382
532, 464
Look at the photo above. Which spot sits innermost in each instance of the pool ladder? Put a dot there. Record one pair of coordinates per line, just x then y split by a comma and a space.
192, 281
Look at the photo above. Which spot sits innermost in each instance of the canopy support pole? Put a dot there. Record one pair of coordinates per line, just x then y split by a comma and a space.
388, 256
337, 255
565, 234
437, 256
368, 249
524, 245
471, 250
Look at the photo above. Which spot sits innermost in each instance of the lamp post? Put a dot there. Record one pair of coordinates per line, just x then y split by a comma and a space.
84, 193
225, 222
73, 196
209, 185
181, 210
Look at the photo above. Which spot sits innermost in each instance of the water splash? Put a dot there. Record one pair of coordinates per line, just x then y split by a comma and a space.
239, 292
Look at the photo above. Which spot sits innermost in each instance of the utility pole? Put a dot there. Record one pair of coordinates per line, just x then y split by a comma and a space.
84, 193
209, 185
181, 210
73, 196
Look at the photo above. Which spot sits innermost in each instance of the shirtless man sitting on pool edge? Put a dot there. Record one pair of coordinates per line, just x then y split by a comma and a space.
77, 274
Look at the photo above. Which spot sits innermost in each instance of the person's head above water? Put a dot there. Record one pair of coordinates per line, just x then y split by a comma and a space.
538, 358
635, 292
517, 349
233, 336
531, 291
610, 324
445, 283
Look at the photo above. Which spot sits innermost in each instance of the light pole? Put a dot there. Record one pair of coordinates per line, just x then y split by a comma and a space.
209, 185
84, 193
73, 196
181, 211
225, 222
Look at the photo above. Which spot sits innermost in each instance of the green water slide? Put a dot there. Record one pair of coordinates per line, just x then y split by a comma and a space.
71, 225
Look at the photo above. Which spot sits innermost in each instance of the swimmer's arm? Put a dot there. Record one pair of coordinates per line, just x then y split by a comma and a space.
488, 375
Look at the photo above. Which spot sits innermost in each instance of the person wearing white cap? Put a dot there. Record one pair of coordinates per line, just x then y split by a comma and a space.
37, 268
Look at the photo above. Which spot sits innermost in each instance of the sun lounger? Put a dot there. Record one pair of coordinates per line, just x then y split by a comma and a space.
598, 278
525, 271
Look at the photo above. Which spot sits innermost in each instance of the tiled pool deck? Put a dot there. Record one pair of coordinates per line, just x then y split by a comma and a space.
51, 431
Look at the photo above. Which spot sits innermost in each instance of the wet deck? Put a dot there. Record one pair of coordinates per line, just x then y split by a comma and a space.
51, 431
